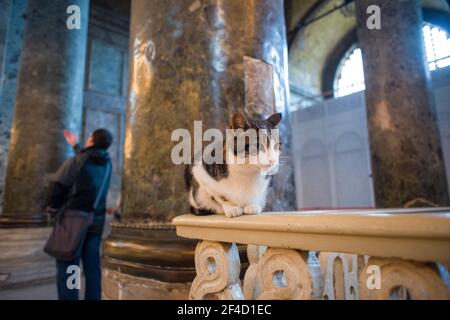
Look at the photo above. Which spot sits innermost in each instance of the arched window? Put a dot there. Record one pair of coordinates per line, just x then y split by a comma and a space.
437, 46
350, 73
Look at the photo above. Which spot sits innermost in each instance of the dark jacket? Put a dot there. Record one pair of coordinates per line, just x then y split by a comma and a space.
77, 183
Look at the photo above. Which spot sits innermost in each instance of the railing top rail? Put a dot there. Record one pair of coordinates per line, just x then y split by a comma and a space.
419, 234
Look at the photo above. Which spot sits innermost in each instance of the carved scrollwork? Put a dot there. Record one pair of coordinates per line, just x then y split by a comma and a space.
254, 253
340, 272
218, 267
384, 279
282, 274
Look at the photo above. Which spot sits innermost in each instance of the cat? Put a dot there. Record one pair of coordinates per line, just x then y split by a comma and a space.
234, 189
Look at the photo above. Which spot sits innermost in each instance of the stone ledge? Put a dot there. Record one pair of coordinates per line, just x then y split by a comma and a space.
418, 234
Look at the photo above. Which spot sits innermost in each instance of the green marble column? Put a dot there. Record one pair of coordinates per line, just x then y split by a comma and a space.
407, 163
190, 60
15, 23
48, 100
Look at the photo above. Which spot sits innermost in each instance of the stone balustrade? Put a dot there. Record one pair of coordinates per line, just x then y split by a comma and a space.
365, 254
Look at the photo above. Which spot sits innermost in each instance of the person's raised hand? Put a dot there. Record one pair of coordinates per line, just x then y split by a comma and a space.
71, 138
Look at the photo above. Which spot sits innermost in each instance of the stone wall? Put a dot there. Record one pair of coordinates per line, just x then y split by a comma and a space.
331, 149
106, 83
310, 51
317, 49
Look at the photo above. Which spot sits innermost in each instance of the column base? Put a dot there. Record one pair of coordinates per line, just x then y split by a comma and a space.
12, 220
147, 261
122, 286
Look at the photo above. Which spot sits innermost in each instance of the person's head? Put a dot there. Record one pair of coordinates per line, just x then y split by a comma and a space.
100, 138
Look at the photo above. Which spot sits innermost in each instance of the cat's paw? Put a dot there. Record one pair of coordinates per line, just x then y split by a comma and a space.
232, 212
252, 209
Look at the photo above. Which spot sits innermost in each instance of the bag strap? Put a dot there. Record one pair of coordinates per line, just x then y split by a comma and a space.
100, 192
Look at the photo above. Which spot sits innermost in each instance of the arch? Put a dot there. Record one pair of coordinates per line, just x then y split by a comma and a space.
335, 72
334, 59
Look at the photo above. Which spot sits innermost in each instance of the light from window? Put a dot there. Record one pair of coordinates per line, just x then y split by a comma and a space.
437, 46
350, 73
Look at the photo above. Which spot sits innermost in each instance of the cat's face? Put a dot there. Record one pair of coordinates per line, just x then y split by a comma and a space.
256, 142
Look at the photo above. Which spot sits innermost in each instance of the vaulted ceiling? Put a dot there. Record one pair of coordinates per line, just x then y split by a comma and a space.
318, 40
299, 12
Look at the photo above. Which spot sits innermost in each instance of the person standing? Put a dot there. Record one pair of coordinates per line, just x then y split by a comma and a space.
76, 185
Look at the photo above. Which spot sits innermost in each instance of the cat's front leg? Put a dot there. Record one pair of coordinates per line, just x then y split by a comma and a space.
253, 209
229, 209
232, 211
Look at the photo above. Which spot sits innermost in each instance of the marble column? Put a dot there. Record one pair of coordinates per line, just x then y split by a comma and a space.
4, 20
48, 100
190, 60
407, 163
15, 23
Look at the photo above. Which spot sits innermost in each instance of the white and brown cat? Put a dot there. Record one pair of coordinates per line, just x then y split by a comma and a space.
234, 189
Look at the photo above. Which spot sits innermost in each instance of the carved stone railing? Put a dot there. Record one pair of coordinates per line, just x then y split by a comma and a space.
370, 254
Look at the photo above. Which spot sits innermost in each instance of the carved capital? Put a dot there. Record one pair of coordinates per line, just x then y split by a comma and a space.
384, 279
340, 272
218, 266
282, 274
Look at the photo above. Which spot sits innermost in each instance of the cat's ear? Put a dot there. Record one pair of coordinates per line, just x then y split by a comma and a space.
239, 121
274, 119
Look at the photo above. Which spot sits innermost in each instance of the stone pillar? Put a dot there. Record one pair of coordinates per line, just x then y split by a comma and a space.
190, 60
4, 20
48, 100
407, 163
15, 23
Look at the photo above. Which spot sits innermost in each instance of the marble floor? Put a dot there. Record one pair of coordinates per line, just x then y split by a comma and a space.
42, 291
22, 259
26, 272
46, 291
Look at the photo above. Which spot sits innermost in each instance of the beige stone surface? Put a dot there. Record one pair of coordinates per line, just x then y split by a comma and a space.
417, 234
340, 272
120, 286
42, 291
